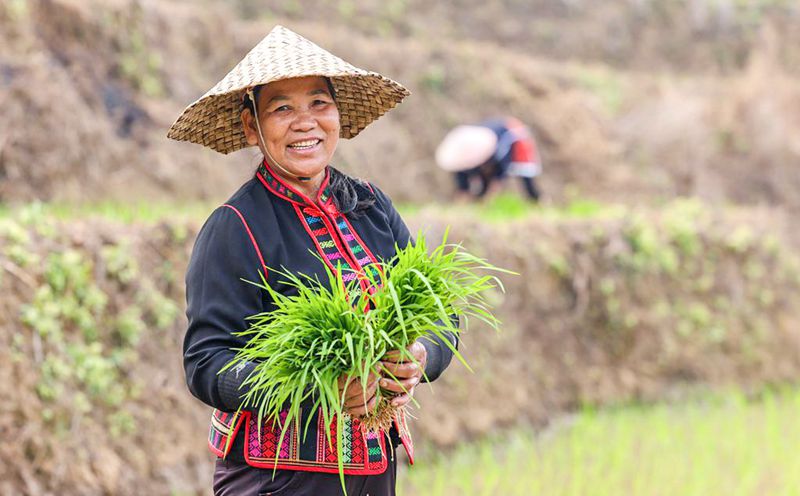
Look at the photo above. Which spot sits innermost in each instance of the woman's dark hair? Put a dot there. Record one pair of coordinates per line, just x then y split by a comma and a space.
350, 195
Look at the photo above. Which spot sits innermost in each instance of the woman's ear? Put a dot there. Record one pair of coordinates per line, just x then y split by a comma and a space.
249, 127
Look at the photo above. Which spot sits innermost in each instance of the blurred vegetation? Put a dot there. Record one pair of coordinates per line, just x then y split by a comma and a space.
83, 338
721, 443
126, 213
498, 208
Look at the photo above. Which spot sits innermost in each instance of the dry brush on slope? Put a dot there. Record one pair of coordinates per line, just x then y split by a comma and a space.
88, 89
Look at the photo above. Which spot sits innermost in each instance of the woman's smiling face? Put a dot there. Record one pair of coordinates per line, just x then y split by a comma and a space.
300, 125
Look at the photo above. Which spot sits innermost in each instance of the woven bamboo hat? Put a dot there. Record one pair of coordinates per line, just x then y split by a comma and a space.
466, 147
214, 120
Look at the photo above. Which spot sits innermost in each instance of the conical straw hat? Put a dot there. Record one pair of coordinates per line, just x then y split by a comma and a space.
214, 120
466, 147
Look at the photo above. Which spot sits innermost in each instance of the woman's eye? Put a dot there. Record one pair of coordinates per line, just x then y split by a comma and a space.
282, 108
320, 102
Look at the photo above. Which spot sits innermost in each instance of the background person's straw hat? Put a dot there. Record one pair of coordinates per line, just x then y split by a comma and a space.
466, 147
214, 120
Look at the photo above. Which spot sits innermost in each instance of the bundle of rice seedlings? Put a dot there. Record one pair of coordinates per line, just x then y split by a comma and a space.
309, 340
424, 295
301, 348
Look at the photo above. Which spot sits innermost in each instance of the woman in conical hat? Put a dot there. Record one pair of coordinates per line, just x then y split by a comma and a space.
293, 100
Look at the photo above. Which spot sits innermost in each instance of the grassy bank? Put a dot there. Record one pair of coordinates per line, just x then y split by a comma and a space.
502, 207
724, 445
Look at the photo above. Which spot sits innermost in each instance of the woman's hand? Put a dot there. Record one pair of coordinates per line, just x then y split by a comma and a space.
406, 374
356, 401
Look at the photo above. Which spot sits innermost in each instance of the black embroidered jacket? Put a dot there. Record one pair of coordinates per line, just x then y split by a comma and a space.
267, 223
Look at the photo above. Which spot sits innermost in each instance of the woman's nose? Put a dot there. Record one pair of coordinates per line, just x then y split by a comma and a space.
304, 121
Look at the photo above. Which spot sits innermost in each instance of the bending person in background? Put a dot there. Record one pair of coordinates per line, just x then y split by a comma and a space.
488, 152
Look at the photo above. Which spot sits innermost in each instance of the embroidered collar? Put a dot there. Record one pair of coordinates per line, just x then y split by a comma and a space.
280, 187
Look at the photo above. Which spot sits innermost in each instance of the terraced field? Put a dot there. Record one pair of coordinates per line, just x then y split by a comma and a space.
720, 444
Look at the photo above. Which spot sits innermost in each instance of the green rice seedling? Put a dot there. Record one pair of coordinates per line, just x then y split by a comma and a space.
424, 295
301, 348
716, 443
309, 340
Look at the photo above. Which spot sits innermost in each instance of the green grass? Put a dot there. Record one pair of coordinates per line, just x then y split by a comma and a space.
499, 208
127, 213
508, 206
723, 446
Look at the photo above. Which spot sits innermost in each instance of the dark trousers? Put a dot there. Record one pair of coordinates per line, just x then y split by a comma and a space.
239, 479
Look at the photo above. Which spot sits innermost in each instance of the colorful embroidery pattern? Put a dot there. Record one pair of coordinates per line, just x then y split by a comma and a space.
325, 241
265, 446
279, 187
223, 424
262, 449
374, 447
327, 245
361, 253
354, 449
328, 231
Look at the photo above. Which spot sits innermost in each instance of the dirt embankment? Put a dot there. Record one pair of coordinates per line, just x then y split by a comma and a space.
685, 36
89, 88
607, 309
121, 72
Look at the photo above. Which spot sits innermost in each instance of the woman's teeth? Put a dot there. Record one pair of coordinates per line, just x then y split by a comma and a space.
304, 145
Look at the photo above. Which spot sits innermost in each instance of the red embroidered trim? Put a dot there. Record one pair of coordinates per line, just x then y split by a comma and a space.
360, 241
289, 187
313, 235
222, 453
316, 468
405, 436
273, 190
363, 468
344, 250
252, 238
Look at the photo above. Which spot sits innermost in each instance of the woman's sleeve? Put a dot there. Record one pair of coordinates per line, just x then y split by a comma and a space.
218, 302
439, 354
